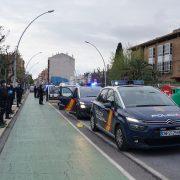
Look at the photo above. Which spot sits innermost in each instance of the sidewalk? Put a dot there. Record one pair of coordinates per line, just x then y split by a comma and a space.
15, 109
43, 146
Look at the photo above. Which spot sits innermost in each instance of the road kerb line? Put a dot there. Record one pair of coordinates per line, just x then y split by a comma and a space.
134, 159
145, 166
121, 169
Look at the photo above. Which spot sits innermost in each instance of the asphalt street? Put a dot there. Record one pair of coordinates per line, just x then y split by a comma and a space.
148, 164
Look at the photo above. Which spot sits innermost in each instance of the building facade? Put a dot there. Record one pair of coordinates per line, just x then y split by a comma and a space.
163, 53
43, 76
61, 68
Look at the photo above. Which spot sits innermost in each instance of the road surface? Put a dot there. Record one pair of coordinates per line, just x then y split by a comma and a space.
44, 146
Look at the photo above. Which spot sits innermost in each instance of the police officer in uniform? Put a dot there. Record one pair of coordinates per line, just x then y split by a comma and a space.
12, 89
19, 92
41, 93
8, 101
3, 102
35, 91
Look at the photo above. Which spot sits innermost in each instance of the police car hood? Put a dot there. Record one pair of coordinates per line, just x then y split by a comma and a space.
87, 100
154, 113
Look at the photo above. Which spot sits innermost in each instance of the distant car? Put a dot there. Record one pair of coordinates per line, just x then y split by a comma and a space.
31, 88
54, 93
77, 99
137, 117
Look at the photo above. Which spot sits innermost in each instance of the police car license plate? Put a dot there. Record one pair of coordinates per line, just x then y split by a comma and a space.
170, 133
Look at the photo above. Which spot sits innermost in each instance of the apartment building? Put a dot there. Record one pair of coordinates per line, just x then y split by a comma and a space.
164, 53
61, 68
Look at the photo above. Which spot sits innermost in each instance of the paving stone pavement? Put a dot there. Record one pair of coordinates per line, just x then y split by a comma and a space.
44, 146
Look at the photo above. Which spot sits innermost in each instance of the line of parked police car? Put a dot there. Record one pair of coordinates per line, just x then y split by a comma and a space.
136, 116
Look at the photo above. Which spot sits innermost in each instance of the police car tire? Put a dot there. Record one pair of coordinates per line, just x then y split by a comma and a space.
93, 124
121, 143
61, 107
78, 114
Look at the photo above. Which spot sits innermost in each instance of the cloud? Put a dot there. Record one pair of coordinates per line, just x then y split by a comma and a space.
102, 22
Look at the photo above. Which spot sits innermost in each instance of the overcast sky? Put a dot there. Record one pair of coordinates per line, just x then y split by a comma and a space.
102, 22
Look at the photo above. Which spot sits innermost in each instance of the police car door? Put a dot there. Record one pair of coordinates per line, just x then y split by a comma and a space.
65, 97
100, 109
109, 111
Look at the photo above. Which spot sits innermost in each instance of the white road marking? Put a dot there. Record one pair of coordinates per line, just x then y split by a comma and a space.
121, 169
130, 156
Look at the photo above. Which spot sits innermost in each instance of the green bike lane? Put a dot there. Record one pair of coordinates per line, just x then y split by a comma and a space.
44, 146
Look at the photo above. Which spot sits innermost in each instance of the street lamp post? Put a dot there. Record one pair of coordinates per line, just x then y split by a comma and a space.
32, 59
28, 72
105, 77
33, 66
17, 47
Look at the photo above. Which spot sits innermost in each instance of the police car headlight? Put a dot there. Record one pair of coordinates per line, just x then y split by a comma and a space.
133, 120
135, 125
82, 106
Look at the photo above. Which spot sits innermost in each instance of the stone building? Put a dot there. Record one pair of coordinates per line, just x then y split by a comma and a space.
164, 53
61, 68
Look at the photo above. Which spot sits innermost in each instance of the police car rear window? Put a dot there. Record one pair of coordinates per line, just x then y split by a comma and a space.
143, 96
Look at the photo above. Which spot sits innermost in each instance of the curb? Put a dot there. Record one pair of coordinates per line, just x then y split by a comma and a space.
5, 134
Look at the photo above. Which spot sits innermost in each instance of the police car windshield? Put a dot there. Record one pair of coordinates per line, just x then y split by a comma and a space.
143, 96
89, 91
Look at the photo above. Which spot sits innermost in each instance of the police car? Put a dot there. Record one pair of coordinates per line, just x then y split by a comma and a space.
54, 93
77, 99
136, 117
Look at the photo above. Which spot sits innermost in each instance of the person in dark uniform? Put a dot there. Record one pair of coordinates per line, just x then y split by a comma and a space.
47, 93
9, 101
12, 97
3, 101
41, 93
35, 91
19, 92
37, 95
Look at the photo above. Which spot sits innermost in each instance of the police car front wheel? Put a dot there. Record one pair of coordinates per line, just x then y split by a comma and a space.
120, 139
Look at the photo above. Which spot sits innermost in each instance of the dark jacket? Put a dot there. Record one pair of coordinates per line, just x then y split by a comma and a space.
40, 91
3, 96
11, 92
19, 91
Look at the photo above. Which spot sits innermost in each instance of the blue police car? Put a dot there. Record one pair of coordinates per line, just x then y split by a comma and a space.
77, 99
137, 117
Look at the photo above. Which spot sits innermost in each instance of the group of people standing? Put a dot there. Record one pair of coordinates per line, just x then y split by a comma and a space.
39, 93
7, 96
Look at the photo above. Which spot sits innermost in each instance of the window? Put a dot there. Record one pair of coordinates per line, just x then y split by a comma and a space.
151, 55
103, 96
117, 100
160, 67
66, 92
151, 61
110, 96
167, 66
164, 63
160, 58
168, 48
143, 97
160, 50
151, 52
